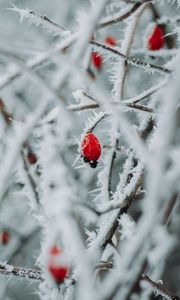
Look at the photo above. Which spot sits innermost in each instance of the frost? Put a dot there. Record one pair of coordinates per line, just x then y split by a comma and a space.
117, 224
36, 19
127, 227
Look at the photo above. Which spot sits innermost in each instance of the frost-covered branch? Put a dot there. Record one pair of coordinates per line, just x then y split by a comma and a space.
9, 270
159, 288
120, 17
131, 60
37, 19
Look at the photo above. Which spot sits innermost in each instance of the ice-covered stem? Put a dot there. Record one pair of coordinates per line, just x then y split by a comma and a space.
125, 199
147, 93
118, 87
9, 270
170, 207
15, 143
38, 61
38, 19
118, 18
159, 288
109, 104
6, 115
131, 60
8, 120
105, 236
127, 45
31, 180
154, 202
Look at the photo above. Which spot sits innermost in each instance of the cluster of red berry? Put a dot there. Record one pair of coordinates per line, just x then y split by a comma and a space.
155, 41
96, 58
90, 146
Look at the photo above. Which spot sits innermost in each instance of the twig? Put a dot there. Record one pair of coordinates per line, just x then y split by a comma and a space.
7, 116
160, 288
169, 209
31, 180
145, 94
119, 18
32, 64
117, 148
131, 60
6, 269
88, 106
47, 20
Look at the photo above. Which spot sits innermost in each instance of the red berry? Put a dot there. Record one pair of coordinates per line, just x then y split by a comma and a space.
110, 41
90, 148
31, 157
4, 237
58, 273
55, 250
96, 60
57, 265
155, 39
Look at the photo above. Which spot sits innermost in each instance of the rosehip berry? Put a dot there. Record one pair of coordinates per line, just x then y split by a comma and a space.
91, 149
57, 265
31, 158
58, 273
55, 251
110, 41
96, 60
155, 39
4, 237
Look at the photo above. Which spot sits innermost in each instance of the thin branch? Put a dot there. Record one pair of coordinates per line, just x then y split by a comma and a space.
7, 116
30, 179
6, 269
131, 60
145, 94
169, 209
160, 288
32, 64
117, 148
88, 106
124, 203
104, 265
47, 20
119, 18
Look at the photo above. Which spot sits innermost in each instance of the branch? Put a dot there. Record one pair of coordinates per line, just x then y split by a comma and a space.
160, 288
131, 60
6, 269
120, 17
32, 64
31, 180
38, 19
88, 106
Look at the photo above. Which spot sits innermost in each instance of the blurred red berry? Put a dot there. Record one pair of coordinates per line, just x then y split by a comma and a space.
55, 250
57, 265
96, 60
58, 273
110, 41
4, 237
155, 39
91, 149
31, 158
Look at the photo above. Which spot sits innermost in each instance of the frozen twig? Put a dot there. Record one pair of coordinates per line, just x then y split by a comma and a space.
9, 270
159, 288
131, 60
